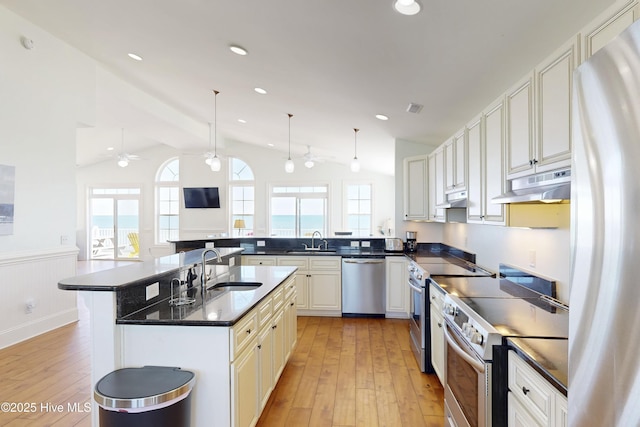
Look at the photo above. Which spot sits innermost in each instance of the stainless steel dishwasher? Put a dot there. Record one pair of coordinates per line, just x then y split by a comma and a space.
363, 287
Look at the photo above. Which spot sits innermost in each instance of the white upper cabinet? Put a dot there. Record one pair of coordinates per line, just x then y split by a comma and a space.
477, 162
494, 166
455, 163
554, 86
415, 188
436, 184
520, 137
608, 25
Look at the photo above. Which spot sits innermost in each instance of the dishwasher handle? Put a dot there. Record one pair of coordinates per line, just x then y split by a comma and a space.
363, 261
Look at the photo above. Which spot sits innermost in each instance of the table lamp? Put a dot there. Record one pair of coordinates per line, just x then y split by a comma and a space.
239, 224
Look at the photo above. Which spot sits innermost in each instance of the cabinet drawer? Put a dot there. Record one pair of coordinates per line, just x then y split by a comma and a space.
289, 288
325, 263
278, 298
258, 260
265, 310
244, 332
531, 390
436, 297
294, 261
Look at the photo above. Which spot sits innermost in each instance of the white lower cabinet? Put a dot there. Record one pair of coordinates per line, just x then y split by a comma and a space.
396, 287
437, 331
244, 375
532, 401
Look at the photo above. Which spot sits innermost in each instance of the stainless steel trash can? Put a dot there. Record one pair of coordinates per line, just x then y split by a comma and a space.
151, 396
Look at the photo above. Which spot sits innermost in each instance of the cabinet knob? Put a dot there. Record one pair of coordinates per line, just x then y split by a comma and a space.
291, 304
525, 390
535, 161
259, 346
439, 325
248, 331
274, 326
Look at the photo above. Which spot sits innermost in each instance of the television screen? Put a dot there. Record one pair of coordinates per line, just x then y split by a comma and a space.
201, 197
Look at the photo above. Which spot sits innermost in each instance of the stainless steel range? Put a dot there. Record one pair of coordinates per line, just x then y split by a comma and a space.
480, 313
420, 270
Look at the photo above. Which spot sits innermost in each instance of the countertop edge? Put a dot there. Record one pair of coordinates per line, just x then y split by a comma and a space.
555, 382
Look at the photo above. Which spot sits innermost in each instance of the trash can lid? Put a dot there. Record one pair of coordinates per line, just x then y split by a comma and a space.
143, 387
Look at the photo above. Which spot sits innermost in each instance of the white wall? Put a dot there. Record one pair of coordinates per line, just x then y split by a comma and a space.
267, 166
46, 93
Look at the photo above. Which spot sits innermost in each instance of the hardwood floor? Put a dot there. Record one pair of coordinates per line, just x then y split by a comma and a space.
343, 372
354, 372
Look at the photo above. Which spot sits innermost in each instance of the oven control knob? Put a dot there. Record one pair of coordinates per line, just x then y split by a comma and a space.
450, 310
477, 338
419, 276
465, 328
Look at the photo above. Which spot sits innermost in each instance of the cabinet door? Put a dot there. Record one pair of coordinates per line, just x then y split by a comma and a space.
266, 352
449, 165
290, 325
436, 184
608, 25
517, 415
415, 188
475, 211
437, 342
244, 371
460, 146
520, 138
397, 290
494, 164
278, 331
325, 290
554, 83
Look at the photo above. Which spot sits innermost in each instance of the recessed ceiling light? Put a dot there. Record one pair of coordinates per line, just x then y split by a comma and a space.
242, 120
238, 50
260, 91
407, 7
134, 56
381, 117
270, 144
109, 148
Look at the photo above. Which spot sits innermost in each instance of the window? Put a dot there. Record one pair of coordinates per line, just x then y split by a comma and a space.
242, 191
359, 209
298, 211
168, 202
114, 218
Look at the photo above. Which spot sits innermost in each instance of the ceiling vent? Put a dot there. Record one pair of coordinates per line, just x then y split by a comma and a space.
414, 108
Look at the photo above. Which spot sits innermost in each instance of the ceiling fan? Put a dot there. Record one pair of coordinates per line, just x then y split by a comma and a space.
123, 157
310, 159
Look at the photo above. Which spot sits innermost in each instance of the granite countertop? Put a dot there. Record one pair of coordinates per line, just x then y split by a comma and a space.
222, 308
549, 357
341, 252
138, 273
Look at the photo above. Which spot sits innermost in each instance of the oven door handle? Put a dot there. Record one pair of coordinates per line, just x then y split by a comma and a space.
415, 288
479, 367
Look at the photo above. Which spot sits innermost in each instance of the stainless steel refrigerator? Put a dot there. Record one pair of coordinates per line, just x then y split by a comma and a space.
604, 332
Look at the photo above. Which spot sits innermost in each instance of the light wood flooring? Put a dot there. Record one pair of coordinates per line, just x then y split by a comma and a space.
343, 372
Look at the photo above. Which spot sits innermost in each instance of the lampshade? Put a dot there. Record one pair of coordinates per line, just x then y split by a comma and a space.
215, 164
123, 162
288, 165
212, 160
238, 223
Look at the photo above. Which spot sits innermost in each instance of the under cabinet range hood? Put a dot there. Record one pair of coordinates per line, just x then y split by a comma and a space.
454, 200
547, 187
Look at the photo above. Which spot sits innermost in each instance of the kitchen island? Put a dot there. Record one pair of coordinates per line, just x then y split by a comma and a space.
236, 339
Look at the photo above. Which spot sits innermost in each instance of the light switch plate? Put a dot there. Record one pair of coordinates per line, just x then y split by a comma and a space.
355, 244
153, 290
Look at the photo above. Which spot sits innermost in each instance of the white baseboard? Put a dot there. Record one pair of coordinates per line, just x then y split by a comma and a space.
38, 326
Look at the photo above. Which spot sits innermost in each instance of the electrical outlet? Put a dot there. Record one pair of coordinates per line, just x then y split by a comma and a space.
29, 305
355, 244
366, 244
532, 259
64, 239
153, 290
260, 243
209, 244
232, 262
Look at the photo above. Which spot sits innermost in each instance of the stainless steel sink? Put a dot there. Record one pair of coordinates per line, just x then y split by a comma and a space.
312, 252
235, 286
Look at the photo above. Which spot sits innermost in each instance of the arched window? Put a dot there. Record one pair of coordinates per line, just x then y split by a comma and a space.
242, 191
168, 202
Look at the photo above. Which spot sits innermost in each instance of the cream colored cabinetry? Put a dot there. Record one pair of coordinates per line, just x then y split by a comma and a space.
608, 25
258, 260
415, 188
532, 401
436, 184
455, 163
261, 346
486, 166
436, 300
538, 114
397, 291
319, 286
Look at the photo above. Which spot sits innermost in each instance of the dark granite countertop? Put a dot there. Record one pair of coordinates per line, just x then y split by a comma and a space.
549, 357
138, 273
222, 307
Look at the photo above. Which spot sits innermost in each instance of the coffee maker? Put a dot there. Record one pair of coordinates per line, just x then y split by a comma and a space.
412, 243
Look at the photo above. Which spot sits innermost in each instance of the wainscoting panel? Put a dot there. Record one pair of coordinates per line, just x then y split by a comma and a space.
31, 302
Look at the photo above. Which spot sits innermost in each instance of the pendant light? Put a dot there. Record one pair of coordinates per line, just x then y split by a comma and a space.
355, 164
288, 165
214, 161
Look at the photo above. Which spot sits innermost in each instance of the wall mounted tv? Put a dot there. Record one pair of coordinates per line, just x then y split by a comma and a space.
201, 197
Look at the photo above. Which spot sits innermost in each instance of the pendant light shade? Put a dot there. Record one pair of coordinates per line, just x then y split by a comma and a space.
355, 164
288, 165
123, 160
214, 161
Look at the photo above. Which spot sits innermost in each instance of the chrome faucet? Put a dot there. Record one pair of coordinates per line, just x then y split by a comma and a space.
203, 278
313, 237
